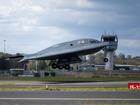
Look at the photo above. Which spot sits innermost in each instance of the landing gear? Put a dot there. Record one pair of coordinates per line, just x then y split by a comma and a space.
54, 66
106, 60
60, 66
67, 67
64, 62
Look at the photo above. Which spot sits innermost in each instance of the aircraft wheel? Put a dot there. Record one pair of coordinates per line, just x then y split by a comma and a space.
67, 67
60, 67
106, 60
54, 66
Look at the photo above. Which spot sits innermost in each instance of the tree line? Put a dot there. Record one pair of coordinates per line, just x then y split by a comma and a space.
118, 59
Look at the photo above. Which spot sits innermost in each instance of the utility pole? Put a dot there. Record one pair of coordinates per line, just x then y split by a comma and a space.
4, 46
36, 65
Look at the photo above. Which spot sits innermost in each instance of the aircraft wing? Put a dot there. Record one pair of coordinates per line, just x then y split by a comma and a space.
60, 52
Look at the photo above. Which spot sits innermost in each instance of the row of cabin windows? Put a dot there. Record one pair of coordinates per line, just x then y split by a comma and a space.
81, 42
86, 42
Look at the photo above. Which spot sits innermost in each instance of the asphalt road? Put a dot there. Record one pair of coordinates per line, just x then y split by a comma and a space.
68, 98
59, 84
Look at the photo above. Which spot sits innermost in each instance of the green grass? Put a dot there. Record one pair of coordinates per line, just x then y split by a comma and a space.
63, 89
90, 89
113, 104
93, 89
66, 89
7, 84
55, 88
22, 89
73, 79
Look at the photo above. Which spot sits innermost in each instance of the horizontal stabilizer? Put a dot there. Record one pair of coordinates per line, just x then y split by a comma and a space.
16, 56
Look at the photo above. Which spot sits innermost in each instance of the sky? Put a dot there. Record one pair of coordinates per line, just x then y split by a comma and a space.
29, 26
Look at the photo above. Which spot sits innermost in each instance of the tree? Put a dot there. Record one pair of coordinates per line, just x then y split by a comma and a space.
4, 64
99, 58
42, 65
121, 56
31, 65
129, 57
91, 59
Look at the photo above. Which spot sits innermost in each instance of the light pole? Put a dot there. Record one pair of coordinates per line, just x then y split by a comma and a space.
4, 46
36, 65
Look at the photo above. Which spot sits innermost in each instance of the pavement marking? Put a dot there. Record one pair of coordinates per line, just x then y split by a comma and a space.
75, 99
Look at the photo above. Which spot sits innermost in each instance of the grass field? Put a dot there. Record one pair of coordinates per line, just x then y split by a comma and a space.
55, 88
112, 104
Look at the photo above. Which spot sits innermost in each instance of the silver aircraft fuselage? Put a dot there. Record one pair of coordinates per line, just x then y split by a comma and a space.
64, 54
76, 48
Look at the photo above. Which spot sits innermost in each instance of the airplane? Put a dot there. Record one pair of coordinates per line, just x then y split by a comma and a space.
63, 54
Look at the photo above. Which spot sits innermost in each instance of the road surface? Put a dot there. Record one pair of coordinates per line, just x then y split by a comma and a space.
68, 98
60, 84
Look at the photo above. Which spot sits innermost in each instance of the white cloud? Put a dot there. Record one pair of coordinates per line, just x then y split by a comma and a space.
29, 24
4, 11
134, 32
38, 39
53, 4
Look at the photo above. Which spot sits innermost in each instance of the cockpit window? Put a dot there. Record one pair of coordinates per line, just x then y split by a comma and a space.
81, 42
94, 41
87, 41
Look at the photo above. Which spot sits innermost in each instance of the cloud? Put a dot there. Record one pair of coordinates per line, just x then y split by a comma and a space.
37, 39
31, 23
129, 46
64, 4
125, 43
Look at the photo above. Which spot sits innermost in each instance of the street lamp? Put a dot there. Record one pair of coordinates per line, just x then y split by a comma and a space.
4, 46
